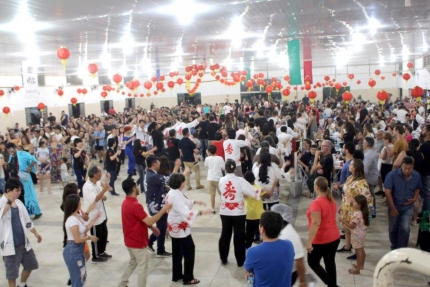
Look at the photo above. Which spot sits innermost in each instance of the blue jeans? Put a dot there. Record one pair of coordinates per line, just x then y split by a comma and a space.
141, 170
2, 185
399, 228
113, 177
425, 192
203, 147
131, 161
162, 226
74, 257
80, 177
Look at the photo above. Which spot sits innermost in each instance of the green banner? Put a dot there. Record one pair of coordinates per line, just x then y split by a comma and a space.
294, 59
248, 76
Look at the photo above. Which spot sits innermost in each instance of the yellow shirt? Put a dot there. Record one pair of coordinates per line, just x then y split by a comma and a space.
254, 207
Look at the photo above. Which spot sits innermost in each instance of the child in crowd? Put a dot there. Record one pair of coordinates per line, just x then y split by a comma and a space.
254, 208
358, 226
44, 162
196, 141
306, 161
215, 166
64, 172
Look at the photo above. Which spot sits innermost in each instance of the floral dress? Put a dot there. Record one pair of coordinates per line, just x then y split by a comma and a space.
352, 189
56, 154
358, 234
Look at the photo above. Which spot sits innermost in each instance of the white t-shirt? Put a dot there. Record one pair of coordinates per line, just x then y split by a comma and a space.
328, 112
291, 234
58, 137
215, 165
73, 221
272, 150
401, 115
42, 153
227, 109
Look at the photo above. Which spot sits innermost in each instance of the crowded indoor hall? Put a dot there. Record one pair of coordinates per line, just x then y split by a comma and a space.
142, 141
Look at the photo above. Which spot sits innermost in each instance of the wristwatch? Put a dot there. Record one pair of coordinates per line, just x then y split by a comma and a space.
9, 202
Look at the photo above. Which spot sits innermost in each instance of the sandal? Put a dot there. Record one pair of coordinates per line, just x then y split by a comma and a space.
192, 282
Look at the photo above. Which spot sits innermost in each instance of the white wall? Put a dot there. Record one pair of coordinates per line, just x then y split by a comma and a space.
211, 90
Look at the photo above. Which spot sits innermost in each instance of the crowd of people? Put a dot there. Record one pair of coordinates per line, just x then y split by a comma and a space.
358, 150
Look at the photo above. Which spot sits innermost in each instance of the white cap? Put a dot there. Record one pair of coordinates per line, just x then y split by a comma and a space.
284, 210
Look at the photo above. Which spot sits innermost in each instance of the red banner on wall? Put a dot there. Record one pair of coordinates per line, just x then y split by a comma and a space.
307, 61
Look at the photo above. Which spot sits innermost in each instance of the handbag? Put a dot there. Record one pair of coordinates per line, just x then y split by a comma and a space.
24, 176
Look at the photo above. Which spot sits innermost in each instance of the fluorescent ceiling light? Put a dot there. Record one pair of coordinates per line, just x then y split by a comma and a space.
373, 26
184, 10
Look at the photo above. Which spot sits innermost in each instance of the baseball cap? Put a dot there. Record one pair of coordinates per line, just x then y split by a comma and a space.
284, 210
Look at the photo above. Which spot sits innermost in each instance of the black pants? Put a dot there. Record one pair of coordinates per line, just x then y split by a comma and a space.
162, 226
101, 232
251, 229
232, 224
327, 252
183, 248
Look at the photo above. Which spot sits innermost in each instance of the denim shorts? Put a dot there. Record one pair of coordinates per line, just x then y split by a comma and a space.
74, 257
22, 256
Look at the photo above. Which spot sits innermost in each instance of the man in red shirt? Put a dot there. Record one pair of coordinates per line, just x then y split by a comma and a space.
135, 223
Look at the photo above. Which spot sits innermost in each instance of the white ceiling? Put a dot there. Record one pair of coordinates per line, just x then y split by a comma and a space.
85, 27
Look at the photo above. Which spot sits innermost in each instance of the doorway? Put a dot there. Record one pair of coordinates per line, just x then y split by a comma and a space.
105, 106
77, 110
130, 103
34, 115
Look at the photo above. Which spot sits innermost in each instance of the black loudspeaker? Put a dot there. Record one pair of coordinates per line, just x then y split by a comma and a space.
326, 93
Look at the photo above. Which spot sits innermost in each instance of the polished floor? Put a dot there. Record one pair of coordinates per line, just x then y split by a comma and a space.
206, 230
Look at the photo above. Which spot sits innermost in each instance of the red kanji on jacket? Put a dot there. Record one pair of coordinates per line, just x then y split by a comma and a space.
180, 130
230, 192
229, 149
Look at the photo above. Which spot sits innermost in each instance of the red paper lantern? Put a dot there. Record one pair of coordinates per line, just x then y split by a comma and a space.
105, 88
302, 88
117, 78
170, 84
104, 94
74, 101
382, 96
93, 69
84, 91
179, 81
351, 76
63, 54
410, 65
286, 92
326, 79
308, 87
269, 89
358, 82
372, 83
261, 75
171, 74
377, 72
141, 95
287, 78
79, 91
60, 93
394, 74
153, 79
417, 93
382, 77
136, 95
123, 93
338, 86
345, 84
134, 84
41, 106
129, 94
406, 77
312, 96
307, 79
6, 110
188, 76
1, 93
147, 85
159, 85
255, 76
16, 88
347, 96
162, 78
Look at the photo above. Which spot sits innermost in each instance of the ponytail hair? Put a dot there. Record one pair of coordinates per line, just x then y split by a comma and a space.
265, 163
322, 184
